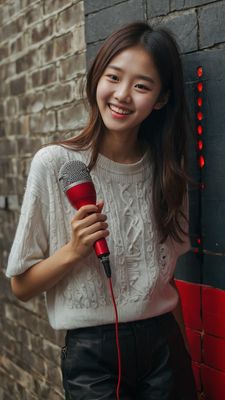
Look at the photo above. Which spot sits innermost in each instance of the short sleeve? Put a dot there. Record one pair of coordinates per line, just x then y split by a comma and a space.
30, 244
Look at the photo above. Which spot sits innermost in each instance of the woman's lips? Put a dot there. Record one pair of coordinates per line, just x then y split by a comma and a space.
120, 111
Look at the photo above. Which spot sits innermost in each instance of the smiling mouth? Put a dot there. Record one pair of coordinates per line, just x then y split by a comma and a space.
118, 110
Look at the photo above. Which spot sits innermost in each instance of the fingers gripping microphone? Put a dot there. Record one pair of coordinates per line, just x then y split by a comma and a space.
76, 182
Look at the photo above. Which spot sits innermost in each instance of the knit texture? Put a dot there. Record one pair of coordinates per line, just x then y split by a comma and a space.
141, 267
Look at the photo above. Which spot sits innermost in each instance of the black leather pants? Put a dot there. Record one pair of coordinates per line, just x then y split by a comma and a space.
155, 364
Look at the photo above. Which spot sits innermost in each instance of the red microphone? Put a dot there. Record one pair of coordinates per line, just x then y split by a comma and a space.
78, 186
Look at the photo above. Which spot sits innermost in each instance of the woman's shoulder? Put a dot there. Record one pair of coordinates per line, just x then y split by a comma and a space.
52, 157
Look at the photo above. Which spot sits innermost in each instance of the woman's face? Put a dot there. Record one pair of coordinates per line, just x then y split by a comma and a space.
128, 90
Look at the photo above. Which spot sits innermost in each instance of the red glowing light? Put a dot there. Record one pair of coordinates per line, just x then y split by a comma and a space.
199, 101
200, 116
199, 129
200, 87
201, 161
199, 241
200, 144
196, 251
199, 72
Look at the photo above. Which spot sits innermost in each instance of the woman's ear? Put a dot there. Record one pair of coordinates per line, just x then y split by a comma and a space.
162, 101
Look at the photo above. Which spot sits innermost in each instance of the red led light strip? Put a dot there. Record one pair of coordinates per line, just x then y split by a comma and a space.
200, 87
200, 145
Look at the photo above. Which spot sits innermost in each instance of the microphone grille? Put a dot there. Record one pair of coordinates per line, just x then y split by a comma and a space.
73, 172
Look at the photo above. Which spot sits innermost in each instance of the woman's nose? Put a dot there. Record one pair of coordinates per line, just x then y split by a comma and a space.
123, 94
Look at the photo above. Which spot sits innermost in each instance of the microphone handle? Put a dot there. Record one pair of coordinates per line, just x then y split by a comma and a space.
85, 194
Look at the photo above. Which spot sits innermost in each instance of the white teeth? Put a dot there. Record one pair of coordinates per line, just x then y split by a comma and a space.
119, 110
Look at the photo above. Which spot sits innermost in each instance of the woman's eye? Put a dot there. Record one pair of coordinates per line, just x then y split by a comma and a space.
113, 77
141, 86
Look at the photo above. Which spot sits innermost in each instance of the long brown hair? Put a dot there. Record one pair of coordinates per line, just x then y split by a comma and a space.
164, 130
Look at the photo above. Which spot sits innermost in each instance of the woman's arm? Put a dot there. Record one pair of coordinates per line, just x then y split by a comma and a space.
44, 275
88, 225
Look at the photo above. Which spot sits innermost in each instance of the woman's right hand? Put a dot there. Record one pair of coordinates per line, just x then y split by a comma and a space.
88, 226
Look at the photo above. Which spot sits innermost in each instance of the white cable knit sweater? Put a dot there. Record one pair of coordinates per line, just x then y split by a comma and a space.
141, 268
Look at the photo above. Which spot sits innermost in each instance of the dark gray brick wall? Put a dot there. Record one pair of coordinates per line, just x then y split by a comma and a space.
196, 24
199, 28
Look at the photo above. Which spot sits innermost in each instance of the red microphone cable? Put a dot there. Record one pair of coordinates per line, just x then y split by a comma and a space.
117, 340
105, 262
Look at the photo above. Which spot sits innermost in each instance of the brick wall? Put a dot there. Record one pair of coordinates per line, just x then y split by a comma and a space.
42, 64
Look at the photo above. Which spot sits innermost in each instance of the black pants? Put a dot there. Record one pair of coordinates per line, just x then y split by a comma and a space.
155, 363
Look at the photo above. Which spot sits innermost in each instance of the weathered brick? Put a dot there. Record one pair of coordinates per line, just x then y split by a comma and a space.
31, 102
13, 203
51, 6
4, 90
10, 345
1, 16
7, 147
70, 17
4, 51
63, 45
79, 88
11, 106
28, 61
58, 95
183, 4
17, 45
47, 51
41, 31
53, 373
33, 363
18, 86
24, 125
42, 390
72, 117
125, 12
44, 76
211, 24
79, 39
72, 66
20, 375
42, 122
12, 127
2, 129
57, 47
7, 70
156, 8
51, 351
13, 8
36, 305
12, 28
27, 3
34, 14
2, 111
2, 202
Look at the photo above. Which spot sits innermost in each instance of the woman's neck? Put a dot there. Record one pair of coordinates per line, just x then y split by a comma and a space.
121, 151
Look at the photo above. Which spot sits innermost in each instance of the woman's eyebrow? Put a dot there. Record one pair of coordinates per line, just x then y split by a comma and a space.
139, 76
